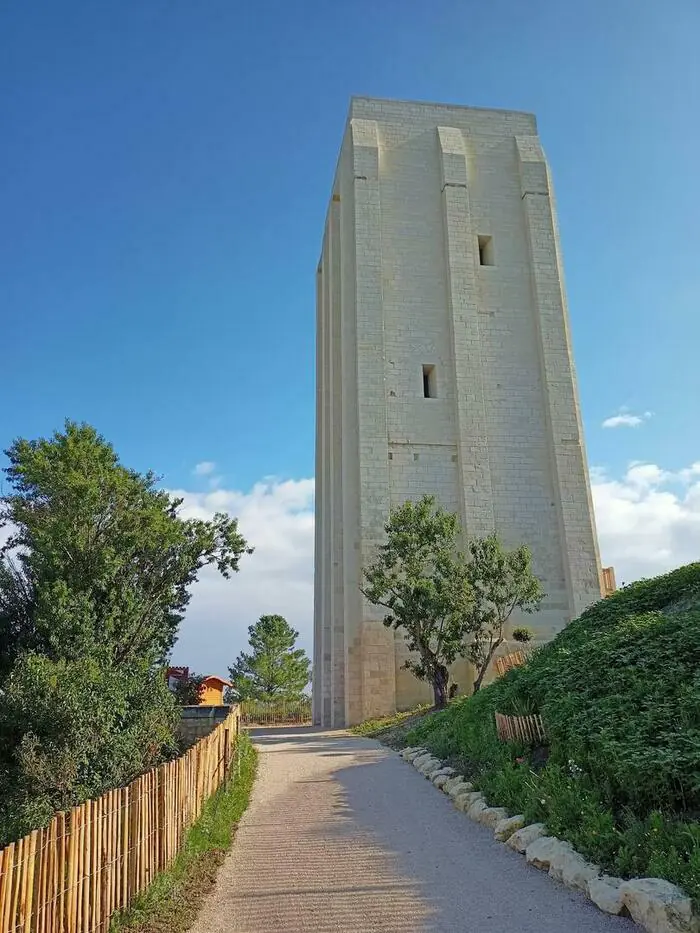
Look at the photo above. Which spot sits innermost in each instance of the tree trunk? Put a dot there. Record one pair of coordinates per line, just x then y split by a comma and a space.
440, 680
485, 666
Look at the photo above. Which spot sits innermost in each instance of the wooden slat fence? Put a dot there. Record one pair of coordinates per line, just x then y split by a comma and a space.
261, 713
508, 661
71, 876
608, 581
520, 728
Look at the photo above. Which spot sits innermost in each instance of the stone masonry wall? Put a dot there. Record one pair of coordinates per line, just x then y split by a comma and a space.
402, 286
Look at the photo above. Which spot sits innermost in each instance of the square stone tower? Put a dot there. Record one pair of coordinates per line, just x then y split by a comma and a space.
444, 366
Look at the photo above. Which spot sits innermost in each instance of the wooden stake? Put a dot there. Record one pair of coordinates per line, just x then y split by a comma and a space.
61, 872
8, 871
87, 868
43, 869
73, 864
125, 861
25, 910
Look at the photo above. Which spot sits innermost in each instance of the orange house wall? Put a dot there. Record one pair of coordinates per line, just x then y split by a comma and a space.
212, 695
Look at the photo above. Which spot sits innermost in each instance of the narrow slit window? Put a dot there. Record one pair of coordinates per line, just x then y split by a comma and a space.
485, 250
429, 388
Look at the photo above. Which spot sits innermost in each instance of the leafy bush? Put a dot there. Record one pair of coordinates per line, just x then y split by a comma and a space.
619, 691
94, 579
73, 729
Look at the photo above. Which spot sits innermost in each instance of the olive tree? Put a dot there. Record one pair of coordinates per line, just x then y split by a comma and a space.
419, 578
447, 603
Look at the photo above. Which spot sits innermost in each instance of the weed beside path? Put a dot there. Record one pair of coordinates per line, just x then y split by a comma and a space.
390, 730
173, 900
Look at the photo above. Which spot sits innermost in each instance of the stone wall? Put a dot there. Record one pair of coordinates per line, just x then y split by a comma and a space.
198, 721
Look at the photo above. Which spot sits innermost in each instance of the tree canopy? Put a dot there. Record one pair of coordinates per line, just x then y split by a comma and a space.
94, 580
448, 605
501, 581
274, 669
419, 578
189, 690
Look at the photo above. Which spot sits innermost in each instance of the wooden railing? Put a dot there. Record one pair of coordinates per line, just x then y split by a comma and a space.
71, 876
608, 584
520, 728
508, 661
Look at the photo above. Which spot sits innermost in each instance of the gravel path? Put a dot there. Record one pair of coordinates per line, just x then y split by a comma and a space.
342, 835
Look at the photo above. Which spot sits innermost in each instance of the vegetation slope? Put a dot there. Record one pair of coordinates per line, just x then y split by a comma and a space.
619, 692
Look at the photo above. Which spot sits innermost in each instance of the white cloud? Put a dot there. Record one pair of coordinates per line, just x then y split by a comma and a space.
277, 519
5, 533
648, 520
625, 419
688, 474
205, 468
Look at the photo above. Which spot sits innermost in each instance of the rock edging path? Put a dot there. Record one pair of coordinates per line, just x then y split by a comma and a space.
655, 904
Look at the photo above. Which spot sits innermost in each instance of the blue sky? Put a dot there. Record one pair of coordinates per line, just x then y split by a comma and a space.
164, 174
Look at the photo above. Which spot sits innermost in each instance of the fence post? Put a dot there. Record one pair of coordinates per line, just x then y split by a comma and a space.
226, 754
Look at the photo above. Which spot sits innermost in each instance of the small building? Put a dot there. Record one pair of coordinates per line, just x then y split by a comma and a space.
213, 690
175, 676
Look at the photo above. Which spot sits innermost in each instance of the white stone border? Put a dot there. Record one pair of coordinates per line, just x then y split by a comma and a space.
655, 904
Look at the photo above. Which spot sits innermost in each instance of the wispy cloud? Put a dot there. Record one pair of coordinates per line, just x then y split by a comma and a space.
648, 522
648, 519
626, 419
205, 468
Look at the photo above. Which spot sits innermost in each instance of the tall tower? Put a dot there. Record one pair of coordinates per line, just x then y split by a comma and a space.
444, 366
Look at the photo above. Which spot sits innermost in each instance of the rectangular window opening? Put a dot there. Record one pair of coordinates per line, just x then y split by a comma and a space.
485, 250
429, 387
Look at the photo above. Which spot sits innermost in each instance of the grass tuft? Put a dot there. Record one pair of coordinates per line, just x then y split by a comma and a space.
390, 728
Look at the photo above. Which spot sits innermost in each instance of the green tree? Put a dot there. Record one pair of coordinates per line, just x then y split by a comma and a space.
501, 581
274, 669
94, 580
419, 577
188, 692
448, 605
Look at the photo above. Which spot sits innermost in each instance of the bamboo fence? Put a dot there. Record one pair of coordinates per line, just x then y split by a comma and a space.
72, 875
608, 581
520, 728
508, 661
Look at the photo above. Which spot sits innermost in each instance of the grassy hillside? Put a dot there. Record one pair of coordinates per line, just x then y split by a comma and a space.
619, 691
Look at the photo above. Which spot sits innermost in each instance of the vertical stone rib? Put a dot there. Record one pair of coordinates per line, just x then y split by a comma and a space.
337, 686
317, 692
326, 517
460, 250
377, 666
579, 542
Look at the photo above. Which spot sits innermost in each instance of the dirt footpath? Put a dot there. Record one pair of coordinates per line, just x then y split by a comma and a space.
342, 835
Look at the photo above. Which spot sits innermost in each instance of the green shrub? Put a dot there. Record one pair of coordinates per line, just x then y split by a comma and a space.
619, 692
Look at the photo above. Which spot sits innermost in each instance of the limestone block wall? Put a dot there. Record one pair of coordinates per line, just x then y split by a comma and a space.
440, 255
